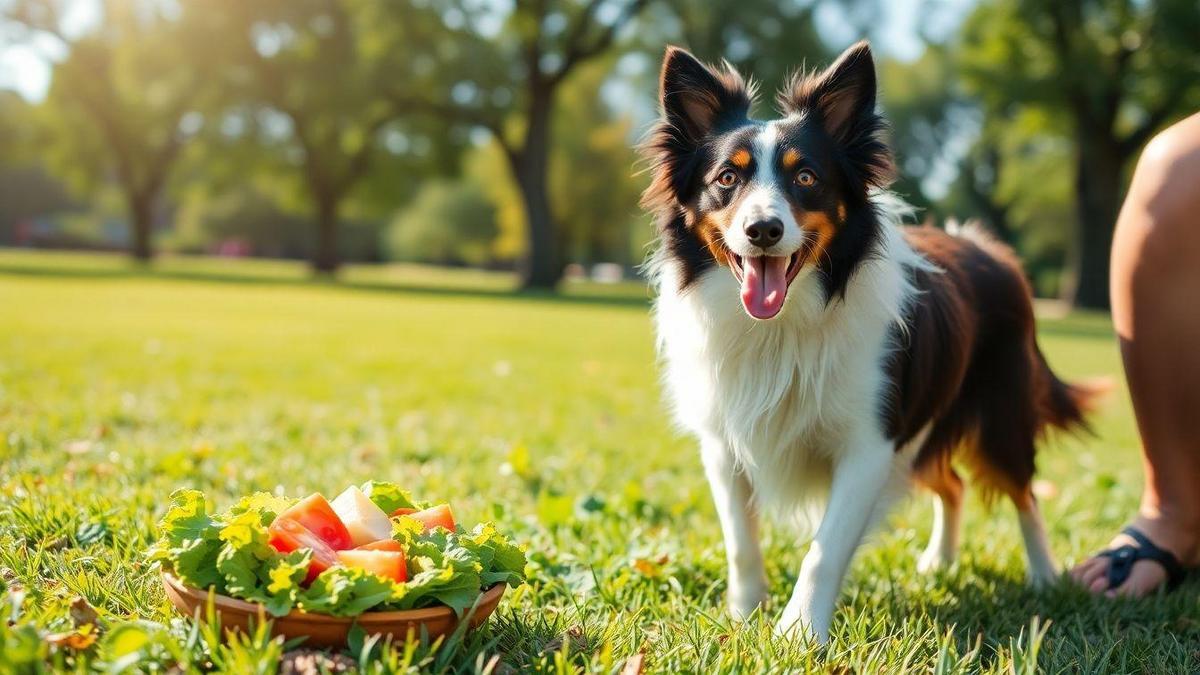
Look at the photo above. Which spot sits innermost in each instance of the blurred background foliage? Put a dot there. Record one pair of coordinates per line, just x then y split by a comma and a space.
501, 133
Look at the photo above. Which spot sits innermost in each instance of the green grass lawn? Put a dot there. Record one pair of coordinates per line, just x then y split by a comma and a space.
544, 414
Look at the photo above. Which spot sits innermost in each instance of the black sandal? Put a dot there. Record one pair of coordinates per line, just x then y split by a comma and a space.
1123, 558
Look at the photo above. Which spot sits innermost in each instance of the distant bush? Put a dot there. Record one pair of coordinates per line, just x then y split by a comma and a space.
450, 222
208, 223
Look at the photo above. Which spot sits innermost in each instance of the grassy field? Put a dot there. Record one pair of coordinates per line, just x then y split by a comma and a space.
544, 414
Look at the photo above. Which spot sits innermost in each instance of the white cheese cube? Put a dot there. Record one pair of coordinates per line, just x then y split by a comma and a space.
366, 521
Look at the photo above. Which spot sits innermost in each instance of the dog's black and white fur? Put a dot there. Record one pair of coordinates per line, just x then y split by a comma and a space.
821, 353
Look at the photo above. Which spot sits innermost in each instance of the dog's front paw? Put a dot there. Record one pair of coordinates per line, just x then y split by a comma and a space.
745, 598
1041, 577
932, 560
793, 626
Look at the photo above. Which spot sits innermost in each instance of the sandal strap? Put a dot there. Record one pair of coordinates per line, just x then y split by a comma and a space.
1123, 558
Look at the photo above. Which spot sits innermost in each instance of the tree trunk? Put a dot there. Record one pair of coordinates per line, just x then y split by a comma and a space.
1097, 201
541, 267
325, 259
141, 217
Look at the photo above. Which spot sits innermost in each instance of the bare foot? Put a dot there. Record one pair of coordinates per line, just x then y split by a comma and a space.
1146, 576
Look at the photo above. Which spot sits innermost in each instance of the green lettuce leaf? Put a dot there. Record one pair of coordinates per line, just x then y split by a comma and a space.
252, 568
450, 578
346, 591
284, 575
243, 554
189, 540
265, 504
388, 496
187, 518
502, 560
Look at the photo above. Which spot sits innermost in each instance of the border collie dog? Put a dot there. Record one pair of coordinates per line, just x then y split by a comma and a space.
822, 354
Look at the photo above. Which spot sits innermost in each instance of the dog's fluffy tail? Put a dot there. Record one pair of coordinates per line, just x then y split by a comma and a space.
1066, 405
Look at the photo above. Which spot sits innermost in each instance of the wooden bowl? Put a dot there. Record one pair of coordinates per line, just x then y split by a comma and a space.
324, 630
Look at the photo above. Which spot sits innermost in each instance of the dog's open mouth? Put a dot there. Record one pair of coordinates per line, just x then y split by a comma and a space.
765, 280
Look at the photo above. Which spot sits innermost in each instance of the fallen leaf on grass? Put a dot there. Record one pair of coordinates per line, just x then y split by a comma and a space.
646, 567
574, 638
58, 543
651, 567
78, 639
82, 612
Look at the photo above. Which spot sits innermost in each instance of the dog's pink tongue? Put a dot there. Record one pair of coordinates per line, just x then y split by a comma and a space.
764, 285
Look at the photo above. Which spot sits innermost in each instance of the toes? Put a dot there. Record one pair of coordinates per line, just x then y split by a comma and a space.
1145, 578
1096, 573
1098, 584
1084, 570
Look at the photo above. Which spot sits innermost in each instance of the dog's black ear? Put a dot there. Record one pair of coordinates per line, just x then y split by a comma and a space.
696, 98
843, 98
841, 94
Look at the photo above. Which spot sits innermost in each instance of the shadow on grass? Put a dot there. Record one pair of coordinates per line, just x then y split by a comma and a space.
590, 297
1092, 632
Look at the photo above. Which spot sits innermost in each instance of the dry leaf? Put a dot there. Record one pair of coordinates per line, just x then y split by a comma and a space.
58, 544
647, 567
574, 638
78, 640
82, 612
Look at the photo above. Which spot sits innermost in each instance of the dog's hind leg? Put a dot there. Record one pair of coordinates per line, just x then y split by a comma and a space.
734, 500
1041, 568
941, 478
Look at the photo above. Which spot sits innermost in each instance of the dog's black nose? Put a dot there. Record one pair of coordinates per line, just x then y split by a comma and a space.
765, 233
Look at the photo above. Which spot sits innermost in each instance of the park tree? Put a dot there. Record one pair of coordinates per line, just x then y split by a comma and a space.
26, 190
503, 72
766, 39
594, 184
594, 178
1103, 74
449, 222
309, 83
119, 100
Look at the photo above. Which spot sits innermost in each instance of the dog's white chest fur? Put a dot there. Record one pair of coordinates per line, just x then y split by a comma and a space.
783, 396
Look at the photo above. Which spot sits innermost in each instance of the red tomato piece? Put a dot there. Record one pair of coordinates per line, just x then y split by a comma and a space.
382, 545
435, 516
288, 535
315, 514
387, 564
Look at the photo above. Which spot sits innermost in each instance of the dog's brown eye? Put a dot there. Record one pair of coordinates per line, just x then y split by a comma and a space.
727, 178
806, 178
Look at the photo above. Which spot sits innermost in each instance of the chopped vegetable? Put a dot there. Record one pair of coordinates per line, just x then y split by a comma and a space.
387, 564
288, 535
437, 516
382, 545
315, 514
365, 521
